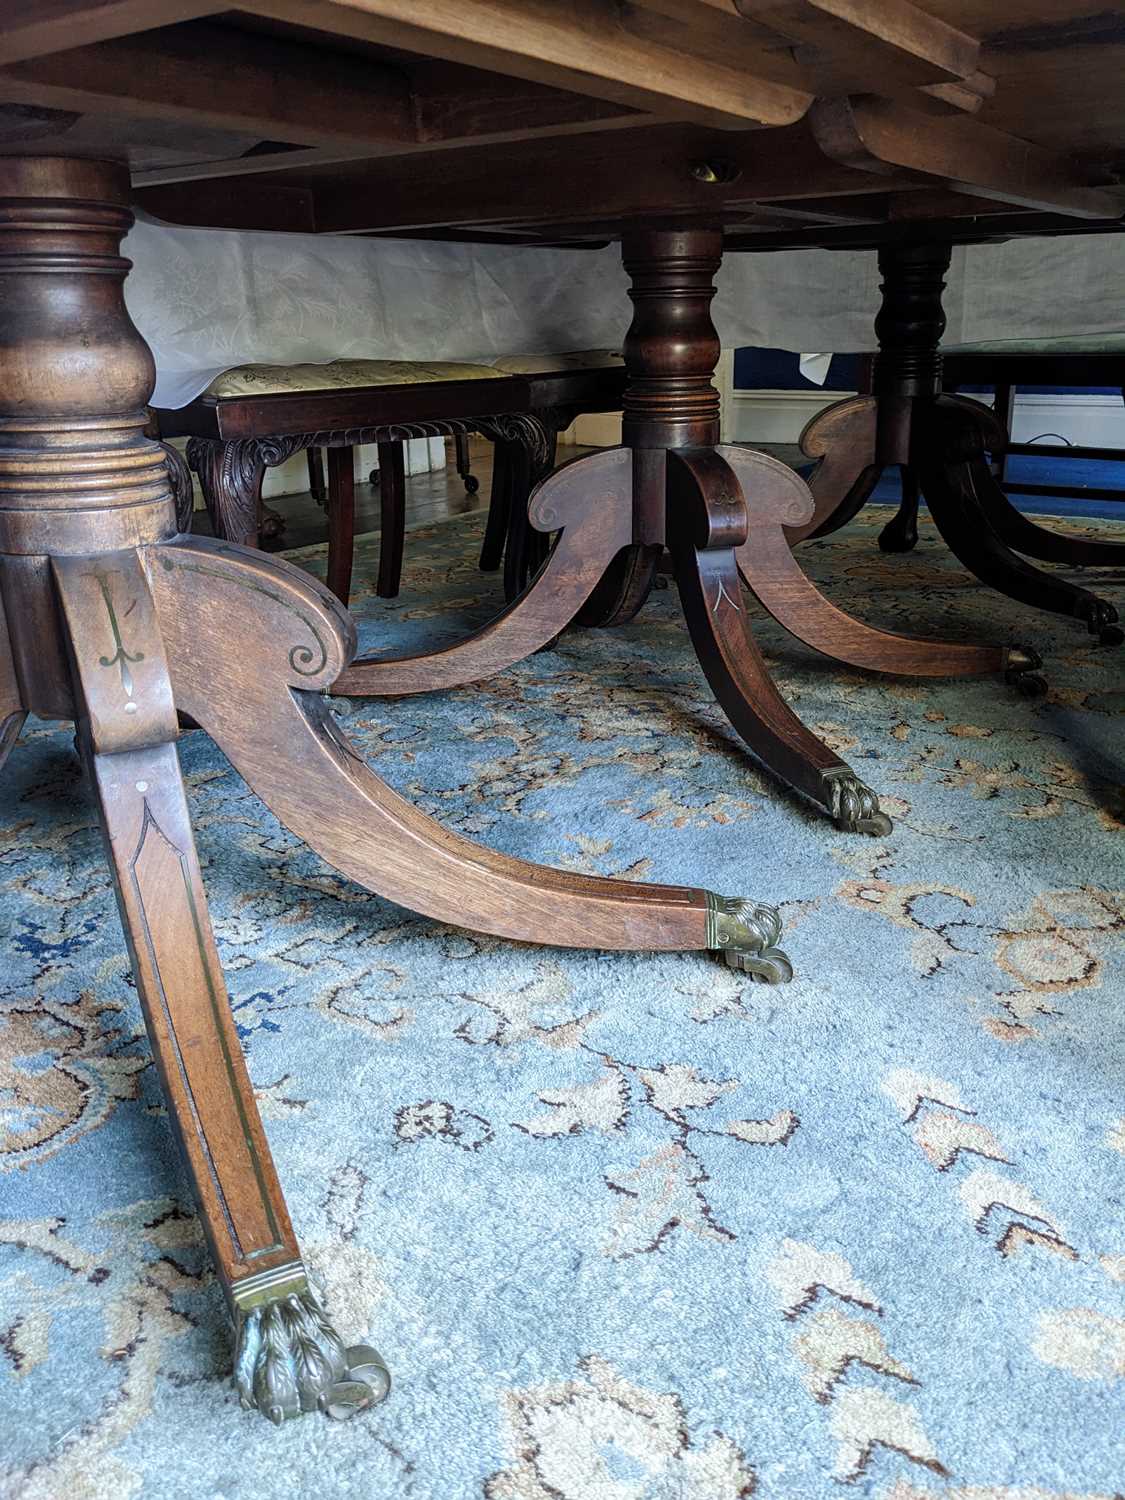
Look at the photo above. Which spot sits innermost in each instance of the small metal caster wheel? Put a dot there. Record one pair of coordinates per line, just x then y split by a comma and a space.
373, 478
770, 966
1031, 685
1101, 620
472, 484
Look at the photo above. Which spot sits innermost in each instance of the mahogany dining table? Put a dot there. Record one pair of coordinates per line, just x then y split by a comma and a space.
680, 127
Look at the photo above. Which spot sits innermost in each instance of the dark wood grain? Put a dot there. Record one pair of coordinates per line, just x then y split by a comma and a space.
589, 503
773, 494
392, 514
300, 641
340, 504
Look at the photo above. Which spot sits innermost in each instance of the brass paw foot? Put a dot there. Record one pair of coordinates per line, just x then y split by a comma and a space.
745, 933
853, 806
1101, 620
1020, 672
291, 1360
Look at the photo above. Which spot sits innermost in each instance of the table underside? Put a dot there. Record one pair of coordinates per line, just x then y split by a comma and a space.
785, 121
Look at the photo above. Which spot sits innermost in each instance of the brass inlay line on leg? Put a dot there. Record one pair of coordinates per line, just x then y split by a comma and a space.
213, 1000
121, 657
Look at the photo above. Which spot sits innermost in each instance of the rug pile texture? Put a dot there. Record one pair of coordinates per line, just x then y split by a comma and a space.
624, 1227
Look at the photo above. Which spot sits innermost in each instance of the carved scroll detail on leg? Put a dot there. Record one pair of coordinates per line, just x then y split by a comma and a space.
128, 730
842, 440
324, 791
230, 476
588, 501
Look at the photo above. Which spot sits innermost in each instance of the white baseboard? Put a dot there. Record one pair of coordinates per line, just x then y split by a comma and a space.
1094, 421
1090, 421
774, 416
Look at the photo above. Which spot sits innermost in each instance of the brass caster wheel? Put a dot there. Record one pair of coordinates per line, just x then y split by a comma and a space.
1021, 672
745, 932
1031, 685
771, 966
1101, 620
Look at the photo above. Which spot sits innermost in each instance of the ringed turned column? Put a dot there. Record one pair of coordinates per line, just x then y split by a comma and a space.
85, 503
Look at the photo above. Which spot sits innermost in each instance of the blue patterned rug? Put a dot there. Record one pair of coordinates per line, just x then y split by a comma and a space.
625, 1228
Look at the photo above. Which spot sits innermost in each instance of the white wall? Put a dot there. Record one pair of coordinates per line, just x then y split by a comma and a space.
1087, 420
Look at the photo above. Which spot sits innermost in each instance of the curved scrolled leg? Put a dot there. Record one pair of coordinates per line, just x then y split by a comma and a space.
900, 534
842, 440
589, 499
1024, 535
770, 570
949, 451
706, 524
289, 1358
774, 497
271, 719
1020, 532
626, 584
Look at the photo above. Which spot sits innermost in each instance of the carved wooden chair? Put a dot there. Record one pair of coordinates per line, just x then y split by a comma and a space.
561, 387
253, 417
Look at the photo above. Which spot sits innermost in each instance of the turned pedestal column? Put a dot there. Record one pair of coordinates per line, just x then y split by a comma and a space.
111, 618
941, 444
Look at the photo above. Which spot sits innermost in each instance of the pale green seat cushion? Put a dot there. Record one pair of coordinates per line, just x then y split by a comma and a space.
340, 375
552, 364
1090, 343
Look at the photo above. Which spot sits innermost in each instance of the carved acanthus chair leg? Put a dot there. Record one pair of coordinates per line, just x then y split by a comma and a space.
230, 476
183, 490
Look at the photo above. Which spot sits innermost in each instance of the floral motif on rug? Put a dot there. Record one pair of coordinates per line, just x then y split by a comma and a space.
626, 1227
